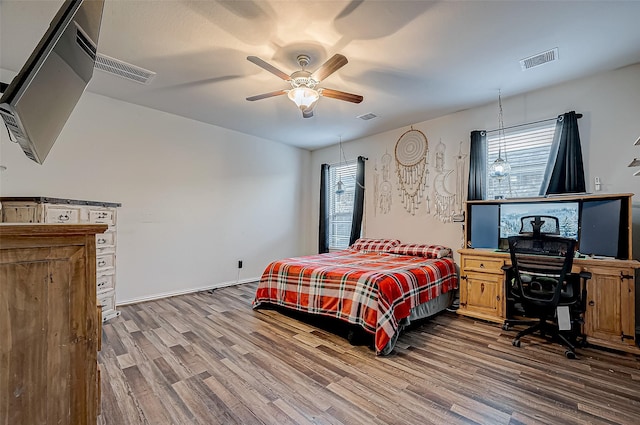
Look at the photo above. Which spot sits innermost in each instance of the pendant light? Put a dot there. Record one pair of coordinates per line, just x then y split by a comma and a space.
500, 167
340, 185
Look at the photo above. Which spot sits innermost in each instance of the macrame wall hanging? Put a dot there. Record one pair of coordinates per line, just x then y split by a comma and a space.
412, 151
385, 189
445, 201
376, 187
448, 205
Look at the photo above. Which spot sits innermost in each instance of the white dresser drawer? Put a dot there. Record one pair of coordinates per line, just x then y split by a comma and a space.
105, 261
104, 282
106, 239
102, 216
107, 301
61, 214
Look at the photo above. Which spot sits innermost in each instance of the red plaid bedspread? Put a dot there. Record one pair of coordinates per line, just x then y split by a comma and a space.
373, 290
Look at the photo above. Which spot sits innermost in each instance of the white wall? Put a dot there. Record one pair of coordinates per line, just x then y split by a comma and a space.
195, 198
609, 102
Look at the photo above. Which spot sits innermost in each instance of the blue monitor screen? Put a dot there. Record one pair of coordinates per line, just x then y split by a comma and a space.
511, 215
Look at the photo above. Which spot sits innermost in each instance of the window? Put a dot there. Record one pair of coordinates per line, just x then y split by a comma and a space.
341, 205
527, 151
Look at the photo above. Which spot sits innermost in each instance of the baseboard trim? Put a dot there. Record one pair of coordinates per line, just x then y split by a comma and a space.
186, 291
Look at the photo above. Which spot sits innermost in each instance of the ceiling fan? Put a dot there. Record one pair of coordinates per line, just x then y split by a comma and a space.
304, 91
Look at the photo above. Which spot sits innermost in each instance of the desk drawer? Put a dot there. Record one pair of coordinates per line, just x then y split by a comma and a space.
493, 265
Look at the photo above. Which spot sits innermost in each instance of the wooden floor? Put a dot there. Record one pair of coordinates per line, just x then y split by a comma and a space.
208, 358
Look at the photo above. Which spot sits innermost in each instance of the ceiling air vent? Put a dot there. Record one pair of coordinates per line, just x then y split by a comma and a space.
539, 59
123, 69
367, 117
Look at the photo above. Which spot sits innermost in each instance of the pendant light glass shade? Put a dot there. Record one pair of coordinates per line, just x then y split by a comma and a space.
500, 167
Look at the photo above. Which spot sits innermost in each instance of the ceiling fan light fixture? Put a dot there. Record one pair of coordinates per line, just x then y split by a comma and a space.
303, 97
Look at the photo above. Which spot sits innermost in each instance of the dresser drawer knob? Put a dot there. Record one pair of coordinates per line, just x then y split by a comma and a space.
101, 263
102, 241
63, 217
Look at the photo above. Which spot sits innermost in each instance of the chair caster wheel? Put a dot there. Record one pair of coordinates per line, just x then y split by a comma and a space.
570, 354
505, 327
515, 343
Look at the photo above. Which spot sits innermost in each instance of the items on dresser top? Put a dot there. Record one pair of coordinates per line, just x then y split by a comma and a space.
72, 211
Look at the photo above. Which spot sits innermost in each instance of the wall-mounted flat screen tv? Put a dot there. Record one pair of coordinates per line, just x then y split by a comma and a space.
40, 99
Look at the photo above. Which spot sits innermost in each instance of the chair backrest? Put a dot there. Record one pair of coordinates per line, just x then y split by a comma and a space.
540, 265
539, 225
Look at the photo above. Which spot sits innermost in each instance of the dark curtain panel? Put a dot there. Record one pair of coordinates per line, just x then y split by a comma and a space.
477, 165
358, 202
565, 171
323, 234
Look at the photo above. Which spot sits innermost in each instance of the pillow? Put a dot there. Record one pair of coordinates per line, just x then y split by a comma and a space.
374, 245
421, 250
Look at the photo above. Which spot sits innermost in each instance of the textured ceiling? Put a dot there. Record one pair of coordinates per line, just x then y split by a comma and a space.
411, 60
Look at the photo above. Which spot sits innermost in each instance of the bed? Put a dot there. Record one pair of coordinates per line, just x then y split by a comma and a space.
379, 285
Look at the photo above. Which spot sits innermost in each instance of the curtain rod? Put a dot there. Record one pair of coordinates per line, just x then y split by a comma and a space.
530, 123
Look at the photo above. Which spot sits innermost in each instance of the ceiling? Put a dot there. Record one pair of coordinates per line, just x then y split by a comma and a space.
411, 60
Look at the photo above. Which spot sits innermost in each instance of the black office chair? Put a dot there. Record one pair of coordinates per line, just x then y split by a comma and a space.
540, 280
539, 224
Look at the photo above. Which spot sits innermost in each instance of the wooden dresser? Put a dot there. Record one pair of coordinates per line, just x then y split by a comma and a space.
49, 324
72, 211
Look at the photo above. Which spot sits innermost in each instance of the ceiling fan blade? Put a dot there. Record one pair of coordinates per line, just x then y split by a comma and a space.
334, 63
272, 69
266, 95
340, 95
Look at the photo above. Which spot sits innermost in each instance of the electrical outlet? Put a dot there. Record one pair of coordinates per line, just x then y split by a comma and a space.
239, 264
597, 184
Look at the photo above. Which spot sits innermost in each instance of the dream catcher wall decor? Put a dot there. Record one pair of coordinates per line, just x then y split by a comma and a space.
412, 151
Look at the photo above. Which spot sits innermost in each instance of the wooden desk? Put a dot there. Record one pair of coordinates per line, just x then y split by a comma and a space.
610, 315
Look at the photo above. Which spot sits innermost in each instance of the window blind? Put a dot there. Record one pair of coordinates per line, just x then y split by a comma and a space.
526, 148
341, 205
